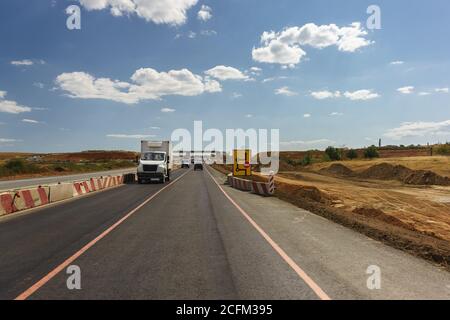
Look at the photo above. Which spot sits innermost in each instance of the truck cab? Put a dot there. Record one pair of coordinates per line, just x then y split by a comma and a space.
155, 163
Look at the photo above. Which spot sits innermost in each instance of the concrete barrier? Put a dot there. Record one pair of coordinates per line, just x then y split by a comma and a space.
31, 198
62, 191
262, 188
27, 198
7, 203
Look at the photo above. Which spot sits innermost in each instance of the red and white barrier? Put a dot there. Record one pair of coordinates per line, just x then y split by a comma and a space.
261, 188
31, 198
7, 203
17, 200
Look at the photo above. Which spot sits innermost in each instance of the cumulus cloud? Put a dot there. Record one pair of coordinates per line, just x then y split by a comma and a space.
130, 136
205, 13
9, 106
336, 114
171, 12
226, 73
285, 47
419, 129
441, 90
406, 90
146, 84
307, 115
321, 95
361, 95
167, 110
5, 140
285, 91
397, 62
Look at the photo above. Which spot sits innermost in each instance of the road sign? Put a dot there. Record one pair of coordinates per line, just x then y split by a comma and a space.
241, 165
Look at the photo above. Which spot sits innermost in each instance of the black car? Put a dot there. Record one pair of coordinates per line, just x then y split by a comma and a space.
198, 166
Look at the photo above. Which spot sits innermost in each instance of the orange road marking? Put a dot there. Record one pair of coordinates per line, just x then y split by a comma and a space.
302, 274
27, 293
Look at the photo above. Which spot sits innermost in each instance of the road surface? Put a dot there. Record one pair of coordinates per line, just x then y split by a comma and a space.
14, 184
199, 239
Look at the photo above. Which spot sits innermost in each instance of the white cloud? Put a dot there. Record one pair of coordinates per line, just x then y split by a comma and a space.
419, 129
4, 140
39, 85
249, 116
30, 121
320, 95
336, 114
397, 62
306, 144
191, 35
307, 115
226, 73
25, 62
441, 90
361, 95
285, 91
205, 13
155, 128
423, 93
406, 90
130, 136
208, 33
9, 106
285, 47
236, 95
147, 84
171, 12
167, 110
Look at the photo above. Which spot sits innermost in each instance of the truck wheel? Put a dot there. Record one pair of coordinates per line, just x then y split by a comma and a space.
139, 181
168, 175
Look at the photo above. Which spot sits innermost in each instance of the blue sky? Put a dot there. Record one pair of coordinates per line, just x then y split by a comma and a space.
318, 75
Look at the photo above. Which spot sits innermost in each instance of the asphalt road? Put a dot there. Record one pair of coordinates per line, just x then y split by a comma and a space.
195, 239
14, 184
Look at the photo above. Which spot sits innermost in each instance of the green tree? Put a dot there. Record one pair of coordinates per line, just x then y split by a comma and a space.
333, 153
351, 154
371, 152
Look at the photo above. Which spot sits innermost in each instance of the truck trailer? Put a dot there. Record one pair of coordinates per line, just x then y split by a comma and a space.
155, 163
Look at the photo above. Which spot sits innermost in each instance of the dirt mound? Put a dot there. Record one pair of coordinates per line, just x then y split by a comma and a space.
425, 177
302, 192
338, 169
386, 171
380, 215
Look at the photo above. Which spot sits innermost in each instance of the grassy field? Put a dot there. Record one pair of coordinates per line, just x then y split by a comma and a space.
21, 165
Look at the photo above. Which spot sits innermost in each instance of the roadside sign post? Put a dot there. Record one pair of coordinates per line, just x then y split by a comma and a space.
242, 163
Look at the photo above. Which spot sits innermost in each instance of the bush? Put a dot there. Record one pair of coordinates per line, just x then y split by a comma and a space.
371, 152
307, 160
351, 154
333, 153
15, 166
443, 150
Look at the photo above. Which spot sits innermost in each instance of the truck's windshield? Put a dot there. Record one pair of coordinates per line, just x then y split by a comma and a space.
153, 156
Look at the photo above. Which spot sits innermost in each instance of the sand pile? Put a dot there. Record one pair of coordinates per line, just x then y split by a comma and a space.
338, 169
386, 171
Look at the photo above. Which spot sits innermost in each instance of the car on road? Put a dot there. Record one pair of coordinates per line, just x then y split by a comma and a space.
198, 164
185, 163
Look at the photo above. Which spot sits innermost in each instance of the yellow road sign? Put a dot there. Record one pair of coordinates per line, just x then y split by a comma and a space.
242, 166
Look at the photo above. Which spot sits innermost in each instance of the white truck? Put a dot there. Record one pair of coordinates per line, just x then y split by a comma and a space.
155, 163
